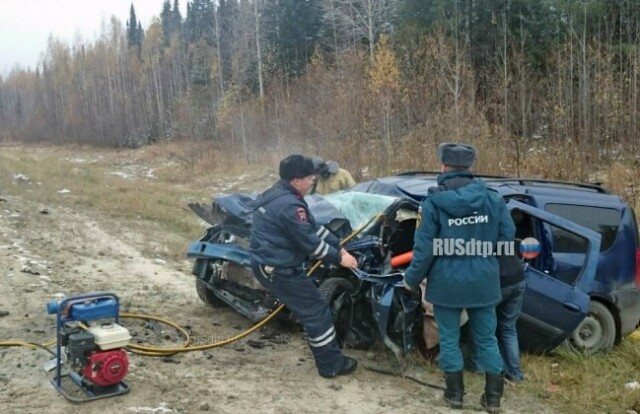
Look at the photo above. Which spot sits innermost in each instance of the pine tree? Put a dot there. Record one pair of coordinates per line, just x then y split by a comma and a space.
199, 22
171, 20
200, 35
132, 27
227, 20
176, 17
292, 28
134, 30
187, 27
166, 17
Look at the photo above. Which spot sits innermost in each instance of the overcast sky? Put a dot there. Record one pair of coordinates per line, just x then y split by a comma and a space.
25, 25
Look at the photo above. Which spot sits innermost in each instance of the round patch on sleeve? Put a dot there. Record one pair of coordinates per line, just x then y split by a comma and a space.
301, 215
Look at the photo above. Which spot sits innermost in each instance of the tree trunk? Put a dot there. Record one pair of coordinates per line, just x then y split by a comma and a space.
258, 52
220, 63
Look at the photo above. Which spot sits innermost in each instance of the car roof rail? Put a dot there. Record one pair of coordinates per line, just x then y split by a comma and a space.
524, 181
419, 172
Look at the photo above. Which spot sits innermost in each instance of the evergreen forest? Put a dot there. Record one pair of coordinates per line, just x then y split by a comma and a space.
382, 80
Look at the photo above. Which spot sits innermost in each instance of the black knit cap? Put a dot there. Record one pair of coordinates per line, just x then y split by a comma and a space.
296, 166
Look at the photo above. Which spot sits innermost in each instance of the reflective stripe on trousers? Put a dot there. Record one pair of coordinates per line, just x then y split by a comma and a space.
301, 296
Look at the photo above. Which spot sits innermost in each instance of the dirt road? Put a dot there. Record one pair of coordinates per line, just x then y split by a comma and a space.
51, 250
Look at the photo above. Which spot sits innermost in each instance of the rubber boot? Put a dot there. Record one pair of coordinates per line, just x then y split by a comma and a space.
349, 366
455, 389
493, 388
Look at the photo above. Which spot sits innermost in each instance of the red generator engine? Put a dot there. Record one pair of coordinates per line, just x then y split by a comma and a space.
97, 354
90, 345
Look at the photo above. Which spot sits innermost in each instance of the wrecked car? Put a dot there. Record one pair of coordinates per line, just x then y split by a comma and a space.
581, 288
368, 304
592, 305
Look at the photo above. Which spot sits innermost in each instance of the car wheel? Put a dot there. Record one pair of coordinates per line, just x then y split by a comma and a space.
337, 292
207, 296
202, 270
596, 333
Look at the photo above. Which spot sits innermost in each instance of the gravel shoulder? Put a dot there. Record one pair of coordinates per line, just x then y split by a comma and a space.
52, 250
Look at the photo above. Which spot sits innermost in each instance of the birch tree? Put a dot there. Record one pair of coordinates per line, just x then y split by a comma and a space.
358, 19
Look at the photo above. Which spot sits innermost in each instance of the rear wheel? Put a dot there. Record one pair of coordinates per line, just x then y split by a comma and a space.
337, 292
596, 333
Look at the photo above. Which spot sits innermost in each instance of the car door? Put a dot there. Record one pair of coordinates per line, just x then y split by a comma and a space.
554, 301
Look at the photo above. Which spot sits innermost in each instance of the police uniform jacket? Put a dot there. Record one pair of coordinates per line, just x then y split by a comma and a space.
460, 208
284, 233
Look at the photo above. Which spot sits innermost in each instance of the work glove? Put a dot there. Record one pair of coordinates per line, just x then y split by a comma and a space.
407, 287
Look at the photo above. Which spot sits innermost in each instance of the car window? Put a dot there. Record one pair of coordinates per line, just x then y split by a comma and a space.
524, 224
601, 220
562, 253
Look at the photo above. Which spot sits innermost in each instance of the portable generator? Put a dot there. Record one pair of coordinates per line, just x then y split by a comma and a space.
90, 354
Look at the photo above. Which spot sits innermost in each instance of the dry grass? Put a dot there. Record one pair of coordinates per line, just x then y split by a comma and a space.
593, 384
148, 189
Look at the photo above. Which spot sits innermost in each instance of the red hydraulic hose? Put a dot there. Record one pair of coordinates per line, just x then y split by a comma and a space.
401, 259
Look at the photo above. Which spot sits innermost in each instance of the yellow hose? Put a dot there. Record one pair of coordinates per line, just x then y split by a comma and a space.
18, 343
150, 350
159, 351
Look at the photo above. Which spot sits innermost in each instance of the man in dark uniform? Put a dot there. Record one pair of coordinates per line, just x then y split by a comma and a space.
284, 235
512, 287
462, 208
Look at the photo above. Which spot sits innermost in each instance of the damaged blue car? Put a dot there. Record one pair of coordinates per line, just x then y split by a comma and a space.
581, 288
368, 304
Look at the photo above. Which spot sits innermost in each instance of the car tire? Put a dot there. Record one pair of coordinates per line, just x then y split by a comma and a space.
596, 333
207, 296
337, 292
